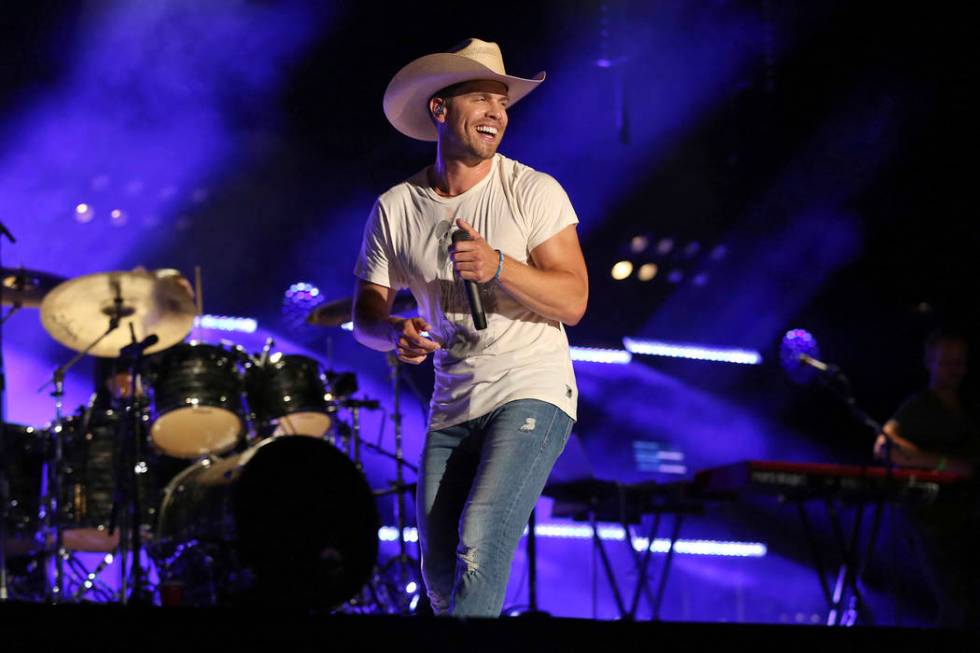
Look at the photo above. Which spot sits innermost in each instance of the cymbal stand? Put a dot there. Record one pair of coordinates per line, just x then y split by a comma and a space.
396, 420
55, 471
4, 486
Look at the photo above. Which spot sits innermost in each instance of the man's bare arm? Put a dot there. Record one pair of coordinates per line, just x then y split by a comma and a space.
906, 453
375, 327
555, 286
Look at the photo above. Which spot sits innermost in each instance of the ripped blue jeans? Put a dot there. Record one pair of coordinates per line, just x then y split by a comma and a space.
479, 481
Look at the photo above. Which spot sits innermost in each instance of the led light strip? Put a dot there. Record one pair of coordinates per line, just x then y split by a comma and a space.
227, 323
694, 352
583, 532
597, 355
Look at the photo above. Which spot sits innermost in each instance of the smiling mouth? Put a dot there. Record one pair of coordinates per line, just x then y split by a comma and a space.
487, 132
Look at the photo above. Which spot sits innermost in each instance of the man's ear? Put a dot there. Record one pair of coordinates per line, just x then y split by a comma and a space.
437, 107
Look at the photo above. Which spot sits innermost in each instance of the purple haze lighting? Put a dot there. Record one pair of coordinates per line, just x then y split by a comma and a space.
796, 343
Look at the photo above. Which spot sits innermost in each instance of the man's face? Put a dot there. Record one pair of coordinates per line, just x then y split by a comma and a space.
475, 120
947, 363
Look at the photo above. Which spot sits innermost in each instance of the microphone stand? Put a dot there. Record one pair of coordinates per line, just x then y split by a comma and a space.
832, 377
55, 473
128, 471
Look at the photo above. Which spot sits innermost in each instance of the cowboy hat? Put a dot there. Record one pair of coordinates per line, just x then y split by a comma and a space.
406, 101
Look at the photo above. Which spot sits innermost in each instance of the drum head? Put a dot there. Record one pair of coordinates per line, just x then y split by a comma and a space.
195, 431
307, 523
312, 424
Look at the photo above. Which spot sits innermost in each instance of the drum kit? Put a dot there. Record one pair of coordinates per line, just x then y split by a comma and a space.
214, 476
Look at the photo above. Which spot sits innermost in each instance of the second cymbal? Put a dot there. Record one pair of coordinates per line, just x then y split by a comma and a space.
339, 311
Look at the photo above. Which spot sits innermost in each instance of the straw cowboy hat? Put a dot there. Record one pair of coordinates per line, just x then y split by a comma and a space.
406, 101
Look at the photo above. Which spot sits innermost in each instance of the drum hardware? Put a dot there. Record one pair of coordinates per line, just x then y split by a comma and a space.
4, 488
156, 311
396, 417
88, 581
51, 521
337, 313
127, 501
23, 288
395, 586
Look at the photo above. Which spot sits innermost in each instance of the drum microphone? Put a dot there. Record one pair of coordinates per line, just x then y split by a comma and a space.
472, 289
137, 348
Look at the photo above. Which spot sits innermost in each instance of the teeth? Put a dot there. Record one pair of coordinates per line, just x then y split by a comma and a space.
486, 129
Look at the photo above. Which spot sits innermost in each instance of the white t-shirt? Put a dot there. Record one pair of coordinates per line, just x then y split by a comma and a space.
520, 355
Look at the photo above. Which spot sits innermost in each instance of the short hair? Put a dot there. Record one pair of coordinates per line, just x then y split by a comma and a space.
942, 334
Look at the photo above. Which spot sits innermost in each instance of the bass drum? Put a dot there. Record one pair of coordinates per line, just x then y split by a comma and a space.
288, 522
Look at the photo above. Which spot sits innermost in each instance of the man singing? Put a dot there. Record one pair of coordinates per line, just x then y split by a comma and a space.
505, 396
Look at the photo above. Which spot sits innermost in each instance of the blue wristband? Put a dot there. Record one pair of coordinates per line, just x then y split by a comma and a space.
500, 265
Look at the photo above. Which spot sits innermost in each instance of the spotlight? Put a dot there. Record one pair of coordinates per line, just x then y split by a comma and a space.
622, 270
118, 217
700, 279
84, 213
302, 293
665, 245
639, 243
647, 272
675, 276
298, 300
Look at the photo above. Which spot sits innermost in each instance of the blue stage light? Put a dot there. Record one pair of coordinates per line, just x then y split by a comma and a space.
694, 352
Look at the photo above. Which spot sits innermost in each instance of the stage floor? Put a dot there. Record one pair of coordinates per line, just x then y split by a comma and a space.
110, 627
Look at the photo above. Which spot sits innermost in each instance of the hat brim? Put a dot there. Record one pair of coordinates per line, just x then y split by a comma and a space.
406, 100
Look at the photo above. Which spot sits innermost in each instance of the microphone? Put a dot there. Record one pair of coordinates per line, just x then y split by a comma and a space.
472, 290
137, 348
815, 363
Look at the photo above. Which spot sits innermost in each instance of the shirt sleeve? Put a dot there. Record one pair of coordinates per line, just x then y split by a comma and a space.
377, 262
546, 207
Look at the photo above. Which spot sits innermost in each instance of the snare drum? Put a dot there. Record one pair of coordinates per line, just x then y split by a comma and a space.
197, 400
290, 395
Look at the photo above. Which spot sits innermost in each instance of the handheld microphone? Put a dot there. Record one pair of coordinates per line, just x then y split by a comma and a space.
472, 290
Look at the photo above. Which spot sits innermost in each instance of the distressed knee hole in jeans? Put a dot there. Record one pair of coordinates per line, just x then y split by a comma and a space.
468, 557
529, 425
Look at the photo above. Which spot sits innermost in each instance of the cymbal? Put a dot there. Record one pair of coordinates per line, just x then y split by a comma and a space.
340, 311
78, 311
26, 287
